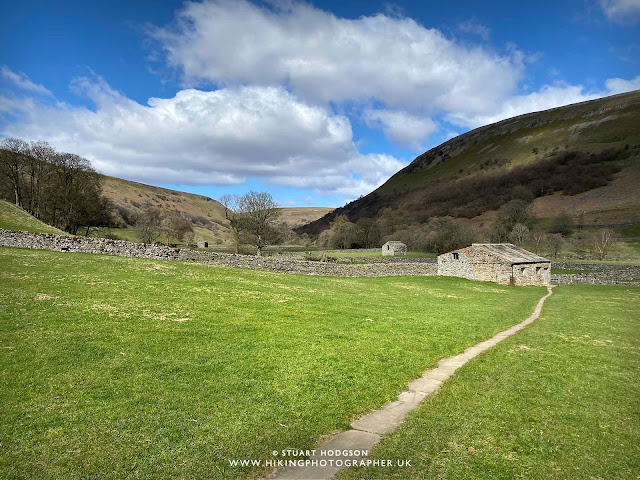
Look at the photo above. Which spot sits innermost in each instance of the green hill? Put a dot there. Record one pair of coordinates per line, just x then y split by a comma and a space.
15, 218
206, 214
579, 159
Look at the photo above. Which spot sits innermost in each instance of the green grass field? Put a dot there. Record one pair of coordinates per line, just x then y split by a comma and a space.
14, 218
115, 367
559, 400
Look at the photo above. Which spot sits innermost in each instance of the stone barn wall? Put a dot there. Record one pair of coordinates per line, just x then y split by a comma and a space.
532, 273
461, 267
395, 249
488, 267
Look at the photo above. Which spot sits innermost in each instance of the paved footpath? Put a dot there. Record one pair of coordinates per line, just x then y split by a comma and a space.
367, 430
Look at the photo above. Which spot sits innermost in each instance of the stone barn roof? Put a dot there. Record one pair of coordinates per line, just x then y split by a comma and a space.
395, 243
512, 253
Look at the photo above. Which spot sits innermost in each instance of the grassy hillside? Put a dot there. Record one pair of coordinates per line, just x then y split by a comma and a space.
14, 218
297, 216
512, 147
558, 400
131, 198
130, 368
207, 215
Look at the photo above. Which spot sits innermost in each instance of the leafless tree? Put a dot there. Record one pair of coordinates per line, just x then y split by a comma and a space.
176, 227
343, 232
537, 237
258, 213
367, 233
233, 215
555, 240
13, 158
74, 191
602, 242
41, 155
518, 234
148, 225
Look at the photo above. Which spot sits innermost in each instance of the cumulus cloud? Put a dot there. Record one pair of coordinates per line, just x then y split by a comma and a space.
402, 128
620, 85
621, 11
476, 28
208, 137
549, 96
323, 58
23, 82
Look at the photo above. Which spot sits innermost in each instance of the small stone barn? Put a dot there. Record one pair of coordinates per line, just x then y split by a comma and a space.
394, 249
502, 263
203, 244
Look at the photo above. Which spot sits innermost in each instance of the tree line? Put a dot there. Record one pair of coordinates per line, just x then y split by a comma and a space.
61, 189
515, 222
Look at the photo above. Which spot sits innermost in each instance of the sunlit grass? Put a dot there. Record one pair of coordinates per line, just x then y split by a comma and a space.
558, 400
117, 367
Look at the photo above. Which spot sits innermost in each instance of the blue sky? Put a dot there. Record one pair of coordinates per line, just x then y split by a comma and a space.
317, 103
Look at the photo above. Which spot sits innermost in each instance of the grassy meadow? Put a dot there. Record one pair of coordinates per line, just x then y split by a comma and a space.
15, 218
559, 400
130, 368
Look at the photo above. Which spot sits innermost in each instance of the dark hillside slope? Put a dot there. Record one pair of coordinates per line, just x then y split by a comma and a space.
564, 153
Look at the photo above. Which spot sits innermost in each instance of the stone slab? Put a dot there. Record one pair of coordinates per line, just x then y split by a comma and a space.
349, 440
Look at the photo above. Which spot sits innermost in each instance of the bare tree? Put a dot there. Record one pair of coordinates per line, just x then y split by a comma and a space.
367, 233
13, 158
518, 234
537, 237
343, 232
258, 213
176, 227
74, 192
233, 215
602, 242
41, 155
148, 225
556, 240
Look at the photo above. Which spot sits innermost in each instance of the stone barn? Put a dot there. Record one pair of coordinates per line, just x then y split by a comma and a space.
203, 244
394, 249
502, 263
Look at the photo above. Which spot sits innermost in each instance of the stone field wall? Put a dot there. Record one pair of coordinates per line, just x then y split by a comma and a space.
62, 243
596, 274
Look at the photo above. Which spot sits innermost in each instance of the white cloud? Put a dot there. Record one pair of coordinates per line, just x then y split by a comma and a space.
402, 128
323, 58
22, 81
620, 85
621, 11
476, 28
216, 137
549, 96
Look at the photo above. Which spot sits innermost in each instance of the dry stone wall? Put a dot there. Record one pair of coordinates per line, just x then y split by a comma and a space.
596, 274
61, 243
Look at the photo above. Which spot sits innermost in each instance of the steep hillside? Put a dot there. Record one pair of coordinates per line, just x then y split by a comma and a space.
207, 215
297, 216
131, 198
14, 218
562, 146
